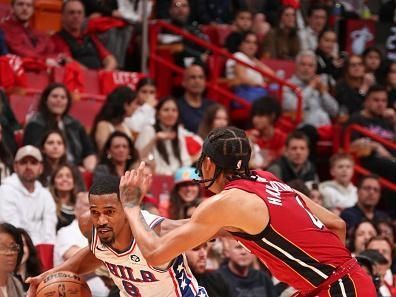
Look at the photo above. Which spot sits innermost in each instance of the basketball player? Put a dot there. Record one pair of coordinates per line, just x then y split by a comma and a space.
300, 242
113, 245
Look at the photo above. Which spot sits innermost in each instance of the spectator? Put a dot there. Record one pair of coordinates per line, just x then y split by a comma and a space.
216, 12
375, 117
282, 42
215, 116
186, 52
372, 59
77, 45
11, 252
247, 83
378, 263
268, 141
24, 202
63, 189
386, 229
8, 122
53, 109
213, 282
146, 97
193, 103
184, 193
353, 86
243, 280
294, 163
317, 20
3, 45
118, 155
315, 195
120, 104
53, 149
390, 83
318, 105
23, 40
340, 193
72, 238
384, 247
369, 194
360, 235
30, 265
329, 63
166, 143
243, 22
5, 159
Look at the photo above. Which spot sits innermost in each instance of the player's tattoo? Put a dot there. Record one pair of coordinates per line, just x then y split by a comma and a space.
130, 197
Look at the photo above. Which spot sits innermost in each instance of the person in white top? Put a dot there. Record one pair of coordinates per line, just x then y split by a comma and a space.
317, 20
70, 240
339, 193
113, 244
24, 202
145, 113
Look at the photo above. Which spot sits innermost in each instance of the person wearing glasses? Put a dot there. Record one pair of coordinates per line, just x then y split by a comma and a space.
369, 194
10, 256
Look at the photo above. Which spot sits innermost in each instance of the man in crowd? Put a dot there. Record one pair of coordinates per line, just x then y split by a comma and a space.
24, 202
317, 20
75, 44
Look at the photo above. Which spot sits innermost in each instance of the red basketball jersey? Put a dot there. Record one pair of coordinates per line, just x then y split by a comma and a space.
295, 246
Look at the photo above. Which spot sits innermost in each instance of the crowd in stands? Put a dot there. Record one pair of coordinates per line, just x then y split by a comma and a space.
48, 163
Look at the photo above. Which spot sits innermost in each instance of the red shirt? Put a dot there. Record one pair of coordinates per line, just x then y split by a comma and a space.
27, 42
295, 246
63, 47
275, 144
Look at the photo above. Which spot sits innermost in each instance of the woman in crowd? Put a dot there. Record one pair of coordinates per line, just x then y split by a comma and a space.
6, 159
329, 63
352, 88
118, 156
247, 83
167, 143
360, 235
30, 265
53, 110
146, 97
62, 187
215, 116
120, 104
390, 83
185, 193
11, 252
282, 42
53, 149
372, 59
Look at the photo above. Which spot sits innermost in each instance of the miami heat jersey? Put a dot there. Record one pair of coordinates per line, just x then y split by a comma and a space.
296, 247
135, 277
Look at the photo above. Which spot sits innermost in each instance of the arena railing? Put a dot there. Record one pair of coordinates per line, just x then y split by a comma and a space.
158, 25
367, 133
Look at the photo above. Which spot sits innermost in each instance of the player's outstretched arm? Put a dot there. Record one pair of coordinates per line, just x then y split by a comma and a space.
331, 220
82, 262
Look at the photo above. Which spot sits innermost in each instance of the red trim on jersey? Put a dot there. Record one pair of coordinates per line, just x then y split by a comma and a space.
174, 282
191, 285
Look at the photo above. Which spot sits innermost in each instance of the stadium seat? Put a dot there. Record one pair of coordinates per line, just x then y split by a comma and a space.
23, 106
47, 16
85, 111
159, 183
91, 83
37, 81
217, 33
288, 67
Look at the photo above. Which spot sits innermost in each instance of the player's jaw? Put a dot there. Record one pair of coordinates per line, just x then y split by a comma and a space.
106, 234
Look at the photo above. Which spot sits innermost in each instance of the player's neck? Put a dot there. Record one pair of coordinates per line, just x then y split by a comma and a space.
124, 240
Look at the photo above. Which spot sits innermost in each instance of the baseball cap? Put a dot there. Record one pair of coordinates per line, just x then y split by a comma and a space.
185, 174
28, 150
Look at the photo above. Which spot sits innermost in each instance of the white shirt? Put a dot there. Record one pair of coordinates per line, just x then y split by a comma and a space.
142, 117
71, 236
336, 195
128, 12
35, 212
253, 75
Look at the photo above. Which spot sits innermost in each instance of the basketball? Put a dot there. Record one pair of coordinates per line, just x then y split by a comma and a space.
63, 284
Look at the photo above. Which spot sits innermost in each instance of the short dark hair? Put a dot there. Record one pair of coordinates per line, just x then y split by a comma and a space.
64, 4
104, 185
299, 135
266, 106
314, 7
16, 235
365, 177
241, 37
340, 156
375, 88
371, 49
242, 10
380, 238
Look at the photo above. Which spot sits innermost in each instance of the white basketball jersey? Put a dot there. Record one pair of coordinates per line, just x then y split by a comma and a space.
135, 277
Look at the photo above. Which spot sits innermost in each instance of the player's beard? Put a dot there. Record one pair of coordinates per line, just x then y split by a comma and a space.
107, 239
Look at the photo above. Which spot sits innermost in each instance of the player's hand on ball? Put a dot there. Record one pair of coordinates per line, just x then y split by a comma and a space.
34, 282
134, 185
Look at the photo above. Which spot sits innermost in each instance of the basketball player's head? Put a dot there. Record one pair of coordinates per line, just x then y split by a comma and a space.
225, 156
107, 214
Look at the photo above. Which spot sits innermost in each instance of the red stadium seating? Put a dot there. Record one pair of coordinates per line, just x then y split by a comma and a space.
23, 106
217, 33
37, 81
85, 111
288, 67
4, 9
